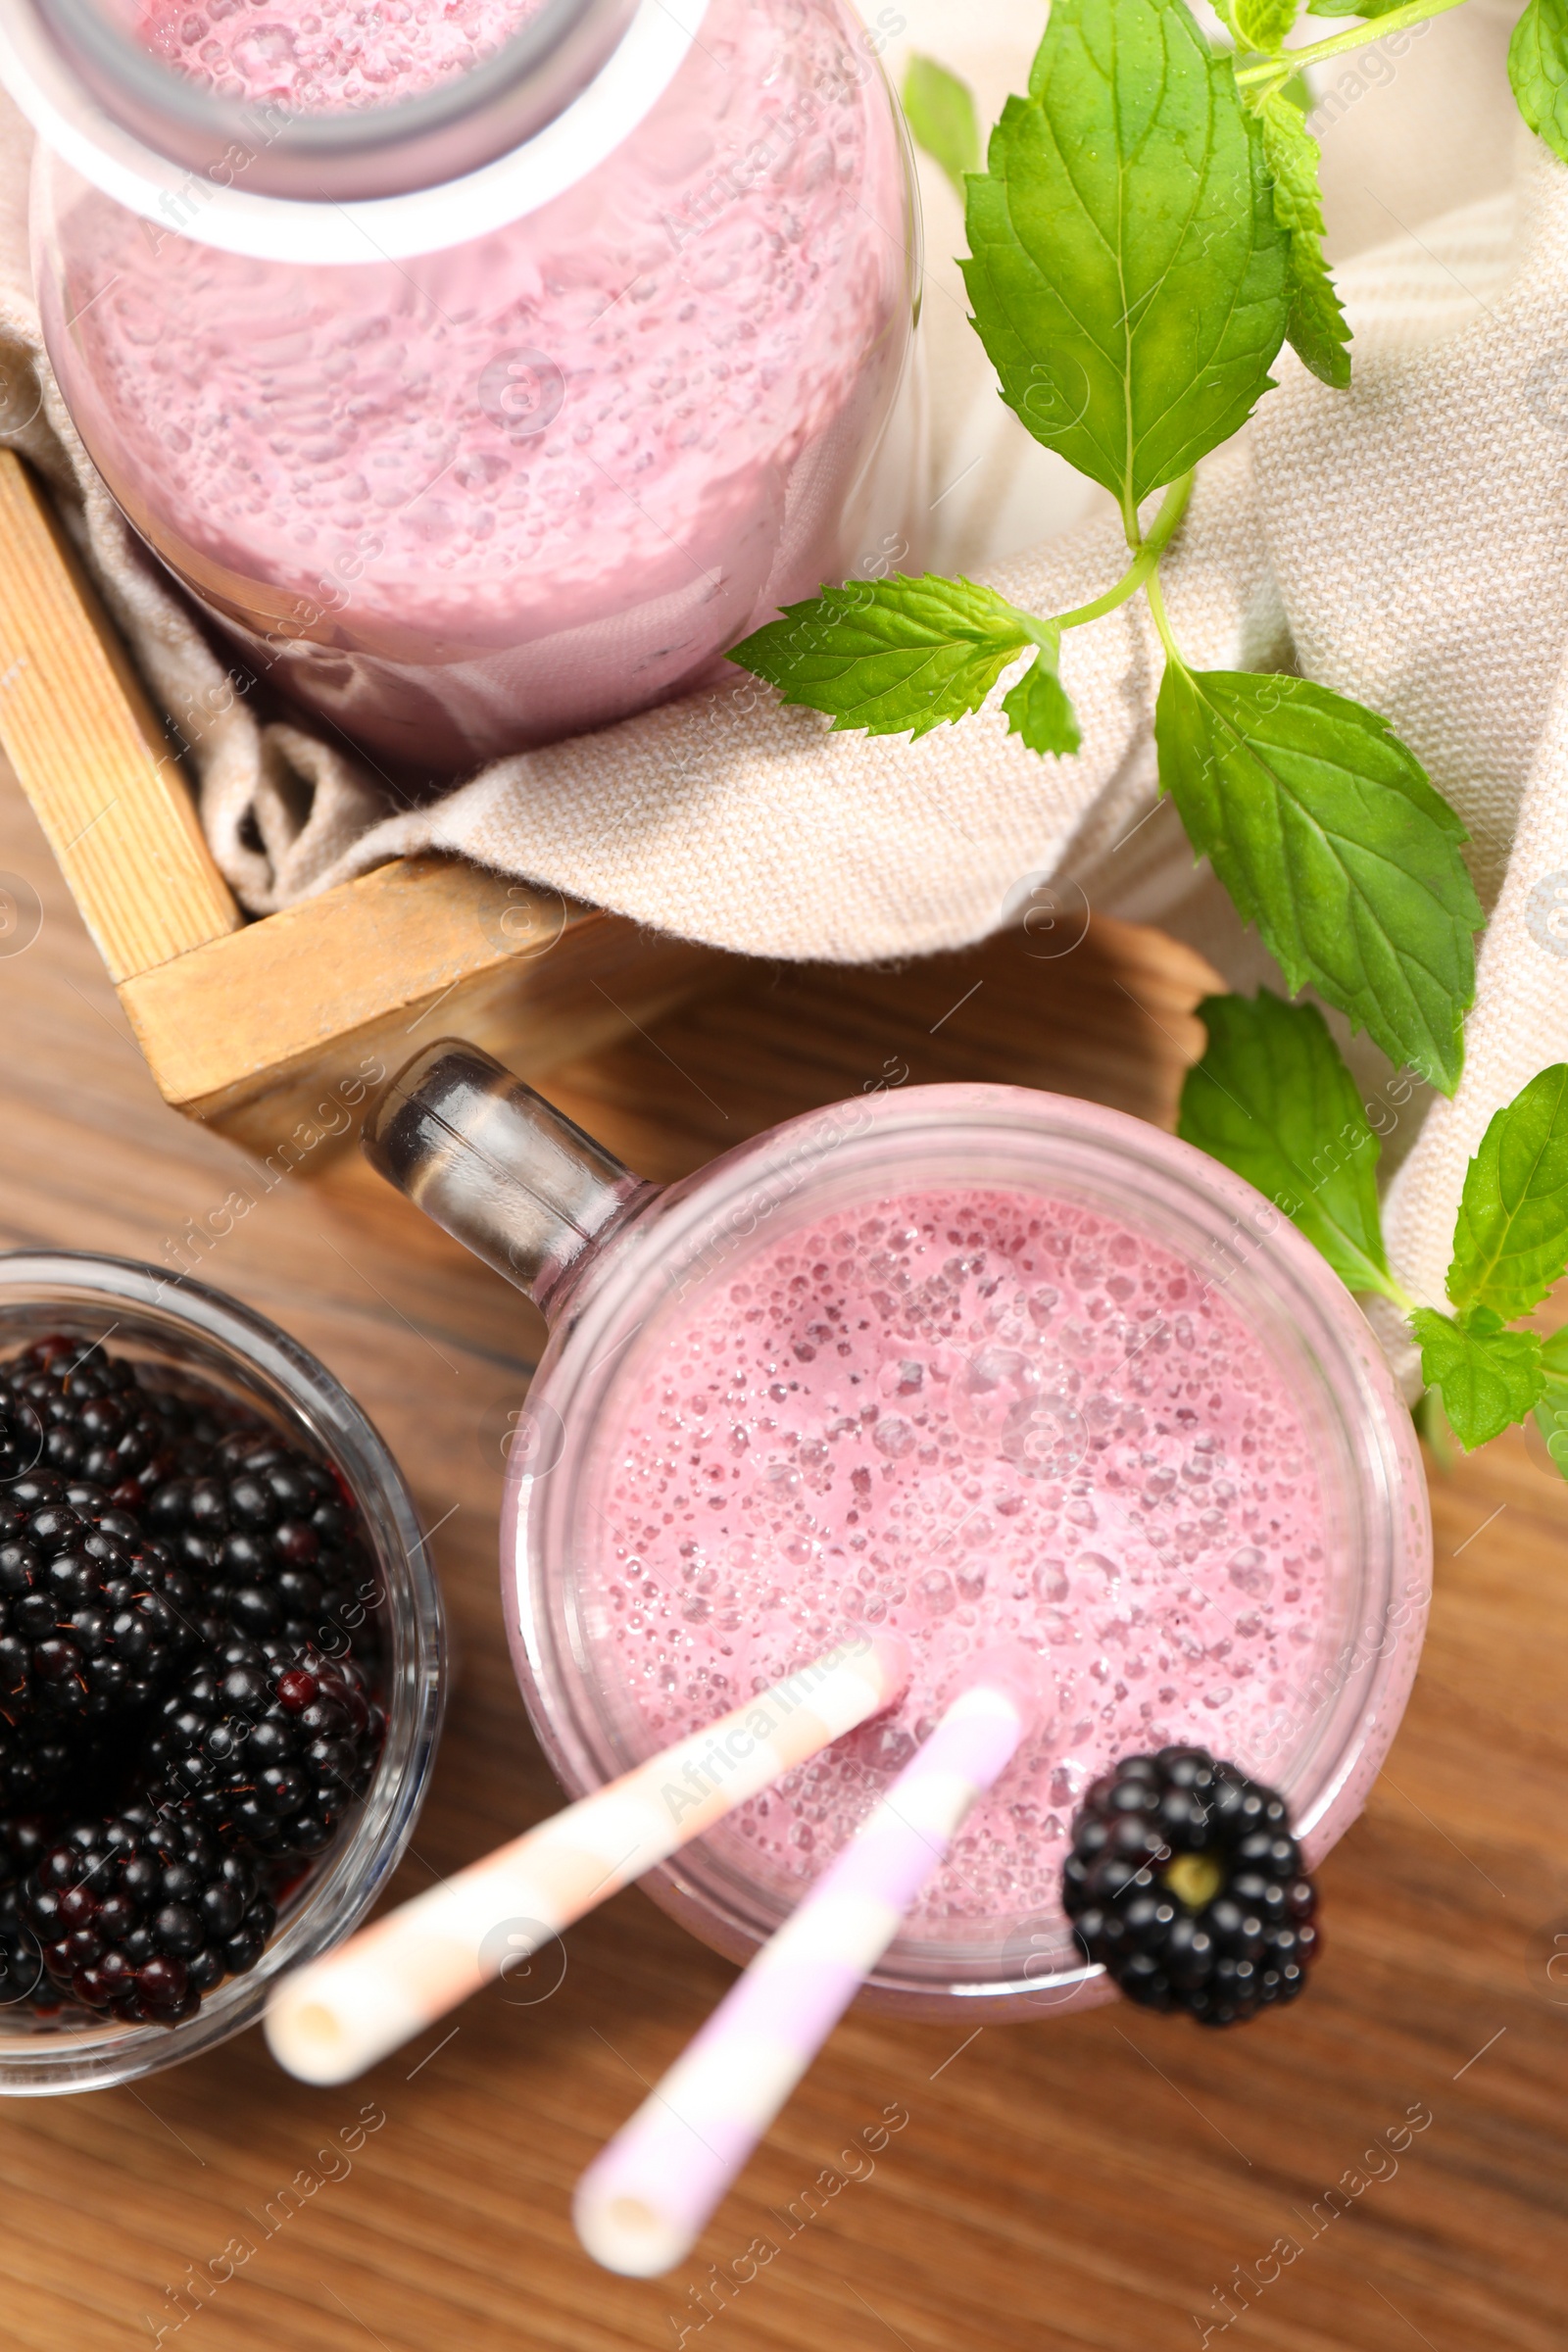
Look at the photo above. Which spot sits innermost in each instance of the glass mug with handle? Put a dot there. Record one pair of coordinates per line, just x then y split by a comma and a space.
981, 1365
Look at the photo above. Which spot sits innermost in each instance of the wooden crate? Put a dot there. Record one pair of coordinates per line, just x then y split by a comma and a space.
270, 1029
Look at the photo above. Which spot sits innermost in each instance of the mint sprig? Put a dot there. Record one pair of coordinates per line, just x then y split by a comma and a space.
1272, 1099
1126, 270
1146, 230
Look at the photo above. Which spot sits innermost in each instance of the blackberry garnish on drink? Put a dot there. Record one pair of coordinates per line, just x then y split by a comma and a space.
1185, 1883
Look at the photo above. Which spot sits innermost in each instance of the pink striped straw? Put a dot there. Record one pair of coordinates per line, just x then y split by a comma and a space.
337, 2016
642, 2205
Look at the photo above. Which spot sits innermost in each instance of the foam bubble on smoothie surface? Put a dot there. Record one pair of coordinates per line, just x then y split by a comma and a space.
980, 1418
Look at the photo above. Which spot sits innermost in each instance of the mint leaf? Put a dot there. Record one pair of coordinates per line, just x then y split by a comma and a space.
1327, 835
1127, 273
1551, 1409
1273, 1100
893, 657
1318, 330
1353, 8
1537, 67
1262, 23
1488, 1377
1037, 708
942, 118
1552, 1419
900, 656
1510, 1240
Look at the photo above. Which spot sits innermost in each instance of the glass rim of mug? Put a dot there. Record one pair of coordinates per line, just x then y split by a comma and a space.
1319, 1340
254, 1359
394, 182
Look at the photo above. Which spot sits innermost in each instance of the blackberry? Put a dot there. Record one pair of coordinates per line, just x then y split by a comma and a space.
267, 1747
94, 1614
80, 1411
21, 1438
23, 1838
1185, 1883
271, 1538
37, 1763
141, 1914
176, 1744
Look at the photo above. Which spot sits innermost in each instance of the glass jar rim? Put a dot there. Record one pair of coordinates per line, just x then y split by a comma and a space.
276, 1369
690, 1225
389, 183
350, 151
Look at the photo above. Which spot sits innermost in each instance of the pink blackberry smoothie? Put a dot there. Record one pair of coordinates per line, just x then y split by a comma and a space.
480, 497
987, 1368
979, 1417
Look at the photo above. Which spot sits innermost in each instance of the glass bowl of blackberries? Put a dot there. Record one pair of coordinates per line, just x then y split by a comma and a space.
220, 1667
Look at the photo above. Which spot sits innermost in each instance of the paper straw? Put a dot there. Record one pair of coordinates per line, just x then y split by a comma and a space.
642, 2205
330, 2020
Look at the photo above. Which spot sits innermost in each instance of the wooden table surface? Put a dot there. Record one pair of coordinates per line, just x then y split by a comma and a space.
1092, 2181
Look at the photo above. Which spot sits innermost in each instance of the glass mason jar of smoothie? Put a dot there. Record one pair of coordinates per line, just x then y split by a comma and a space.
484, 369
975, 1365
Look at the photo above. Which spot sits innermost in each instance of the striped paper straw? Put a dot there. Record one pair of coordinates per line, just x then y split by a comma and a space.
330, 2020
642, 2205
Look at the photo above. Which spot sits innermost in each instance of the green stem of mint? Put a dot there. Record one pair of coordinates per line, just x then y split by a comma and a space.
1416, 12
1172, 507
1157, 606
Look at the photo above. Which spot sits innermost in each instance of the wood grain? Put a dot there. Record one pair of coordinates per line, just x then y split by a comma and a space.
1076, 2186
81, 733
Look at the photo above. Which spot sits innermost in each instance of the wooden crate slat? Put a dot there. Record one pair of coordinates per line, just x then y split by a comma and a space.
245, 1031
90, 755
